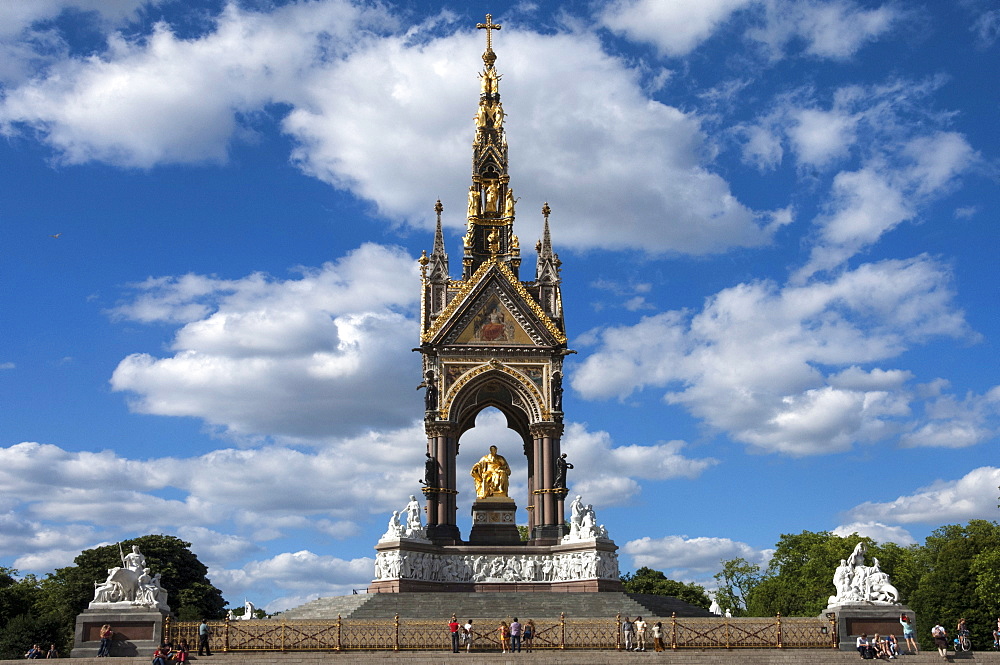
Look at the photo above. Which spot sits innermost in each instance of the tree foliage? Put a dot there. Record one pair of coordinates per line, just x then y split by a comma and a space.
647, 580
191, 596
737, 579
23, 630
799, 578
955, 574
958, 578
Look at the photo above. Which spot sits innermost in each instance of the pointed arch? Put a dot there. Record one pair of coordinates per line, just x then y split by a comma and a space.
494, 385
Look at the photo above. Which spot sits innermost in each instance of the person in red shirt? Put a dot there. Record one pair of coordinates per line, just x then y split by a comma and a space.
453, 627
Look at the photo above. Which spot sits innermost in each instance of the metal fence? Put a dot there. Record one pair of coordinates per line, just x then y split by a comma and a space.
561, 633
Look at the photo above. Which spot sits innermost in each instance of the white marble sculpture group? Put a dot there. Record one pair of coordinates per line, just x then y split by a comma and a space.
130, 585
496, 567
858, 584
583, 523
405, 524
249, 612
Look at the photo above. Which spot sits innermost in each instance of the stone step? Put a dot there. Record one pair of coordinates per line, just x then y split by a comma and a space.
426, 605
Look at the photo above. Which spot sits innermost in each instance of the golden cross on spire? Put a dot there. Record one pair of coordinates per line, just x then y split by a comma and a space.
489, 26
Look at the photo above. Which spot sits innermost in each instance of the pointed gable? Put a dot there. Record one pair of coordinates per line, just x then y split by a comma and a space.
494, 309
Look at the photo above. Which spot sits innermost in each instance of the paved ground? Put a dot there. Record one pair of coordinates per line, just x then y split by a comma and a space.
680, 657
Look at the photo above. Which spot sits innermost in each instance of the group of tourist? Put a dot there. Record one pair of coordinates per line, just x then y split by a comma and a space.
884, 646
36, 652
634, 634
167, 654
512, 637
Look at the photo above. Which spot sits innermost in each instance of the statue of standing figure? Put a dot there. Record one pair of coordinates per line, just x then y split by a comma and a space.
431, 396
561, 466
474, 200
430, 472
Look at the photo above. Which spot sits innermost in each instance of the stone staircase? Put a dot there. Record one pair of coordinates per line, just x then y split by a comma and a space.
548, 604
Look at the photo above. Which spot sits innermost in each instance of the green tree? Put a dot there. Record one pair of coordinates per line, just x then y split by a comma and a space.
647, 580
799, 577
957, 579
18, 634
191, 595
17, 597
737, 580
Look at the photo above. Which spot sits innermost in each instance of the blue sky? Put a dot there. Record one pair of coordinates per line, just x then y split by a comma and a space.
777, 225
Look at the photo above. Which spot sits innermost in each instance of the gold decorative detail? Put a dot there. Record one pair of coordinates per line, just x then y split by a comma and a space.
518, 377
489, 26
423, 257
494, 242
438, 490
509, 201
473, 201
492, 194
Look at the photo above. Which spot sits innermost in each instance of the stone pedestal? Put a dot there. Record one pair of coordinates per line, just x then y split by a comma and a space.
853, 620
493, 522
138, 631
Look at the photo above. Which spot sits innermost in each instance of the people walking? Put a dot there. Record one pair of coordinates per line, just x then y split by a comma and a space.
204, 633
940, 636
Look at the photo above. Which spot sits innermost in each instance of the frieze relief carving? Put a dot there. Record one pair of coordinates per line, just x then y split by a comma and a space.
427, 567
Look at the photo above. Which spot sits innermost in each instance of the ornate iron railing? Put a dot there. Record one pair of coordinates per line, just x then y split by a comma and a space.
561, 633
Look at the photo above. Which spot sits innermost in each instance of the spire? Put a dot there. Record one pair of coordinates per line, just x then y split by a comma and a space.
547, 268
439, 258
490, 235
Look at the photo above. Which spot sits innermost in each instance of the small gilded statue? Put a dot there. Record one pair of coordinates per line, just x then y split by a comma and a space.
473, 201
509, 201
492, 475
492, 193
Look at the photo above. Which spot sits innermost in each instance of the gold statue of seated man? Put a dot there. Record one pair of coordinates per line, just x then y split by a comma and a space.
492, 475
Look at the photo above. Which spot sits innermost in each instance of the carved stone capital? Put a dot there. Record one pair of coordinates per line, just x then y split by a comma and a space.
549, 429
440, 428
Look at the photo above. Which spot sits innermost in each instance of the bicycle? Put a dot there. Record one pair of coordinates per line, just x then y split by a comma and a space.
963, 642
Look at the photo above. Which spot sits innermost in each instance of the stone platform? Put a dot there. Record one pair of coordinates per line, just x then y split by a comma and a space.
425, 605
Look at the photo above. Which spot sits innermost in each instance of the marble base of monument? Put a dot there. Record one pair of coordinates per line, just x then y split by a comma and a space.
138, 631
493, 523
853, 620
583, 565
